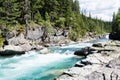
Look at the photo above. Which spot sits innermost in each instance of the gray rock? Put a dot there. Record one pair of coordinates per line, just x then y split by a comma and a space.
35, 34
114, 63
97, 45
82, 63
19, 40
104, 74
78, 64
84, 51
97, 66
12, 47
10, 35
26, 47
95, 76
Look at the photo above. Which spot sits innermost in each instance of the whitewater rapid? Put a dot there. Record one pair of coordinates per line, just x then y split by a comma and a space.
36, 66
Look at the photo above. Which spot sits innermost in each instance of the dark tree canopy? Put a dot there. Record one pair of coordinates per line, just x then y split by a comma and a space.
62, 14
116, 22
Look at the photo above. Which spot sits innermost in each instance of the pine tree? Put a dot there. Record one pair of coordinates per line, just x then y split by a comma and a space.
116, 22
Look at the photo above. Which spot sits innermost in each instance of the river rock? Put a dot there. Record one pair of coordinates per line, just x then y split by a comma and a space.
44, 51
19, 40
12, 47
85, 62
97, 45
37, 47
104, 74
79, 64
103, 66
26, 47
114, 63
35, 34
10, 34
84, 51
81, 53
47, 45
11, 53
82, 63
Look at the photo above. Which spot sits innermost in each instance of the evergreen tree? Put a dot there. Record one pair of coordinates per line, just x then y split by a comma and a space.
116, 22
63, 14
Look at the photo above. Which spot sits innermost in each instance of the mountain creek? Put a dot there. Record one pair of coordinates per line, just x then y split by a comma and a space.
36, 66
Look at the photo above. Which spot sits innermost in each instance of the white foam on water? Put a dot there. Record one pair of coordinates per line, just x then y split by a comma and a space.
79, 45
107, 36
12, 68
18, 66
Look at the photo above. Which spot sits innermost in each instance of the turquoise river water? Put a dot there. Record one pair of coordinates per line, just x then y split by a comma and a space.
36, 66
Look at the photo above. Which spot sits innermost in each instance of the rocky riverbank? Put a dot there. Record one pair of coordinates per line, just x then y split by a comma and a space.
102, 64
21, 44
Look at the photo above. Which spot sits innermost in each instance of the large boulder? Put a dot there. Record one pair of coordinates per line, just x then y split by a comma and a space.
81, 53
97, 45
84, 51
114, 36
35, 34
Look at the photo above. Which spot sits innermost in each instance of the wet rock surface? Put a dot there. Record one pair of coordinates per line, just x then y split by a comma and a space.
84, 51
104, 64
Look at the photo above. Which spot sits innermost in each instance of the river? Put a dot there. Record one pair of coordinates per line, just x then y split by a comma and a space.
36, 66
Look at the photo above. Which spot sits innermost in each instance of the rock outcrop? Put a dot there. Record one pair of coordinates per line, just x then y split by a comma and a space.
104, 65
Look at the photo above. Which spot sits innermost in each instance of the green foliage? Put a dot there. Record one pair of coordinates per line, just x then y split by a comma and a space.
20, 28
1, 41
61, 22
47, 17
73, 35
116, 22
38, 18
47, 24
48, 27
27, 14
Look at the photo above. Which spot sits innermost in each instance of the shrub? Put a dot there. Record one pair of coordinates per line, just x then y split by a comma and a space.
1, 41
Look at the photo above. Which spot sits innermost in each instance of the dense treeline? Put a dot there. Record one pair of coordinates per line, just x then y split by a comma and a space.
63, 14
116, 22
